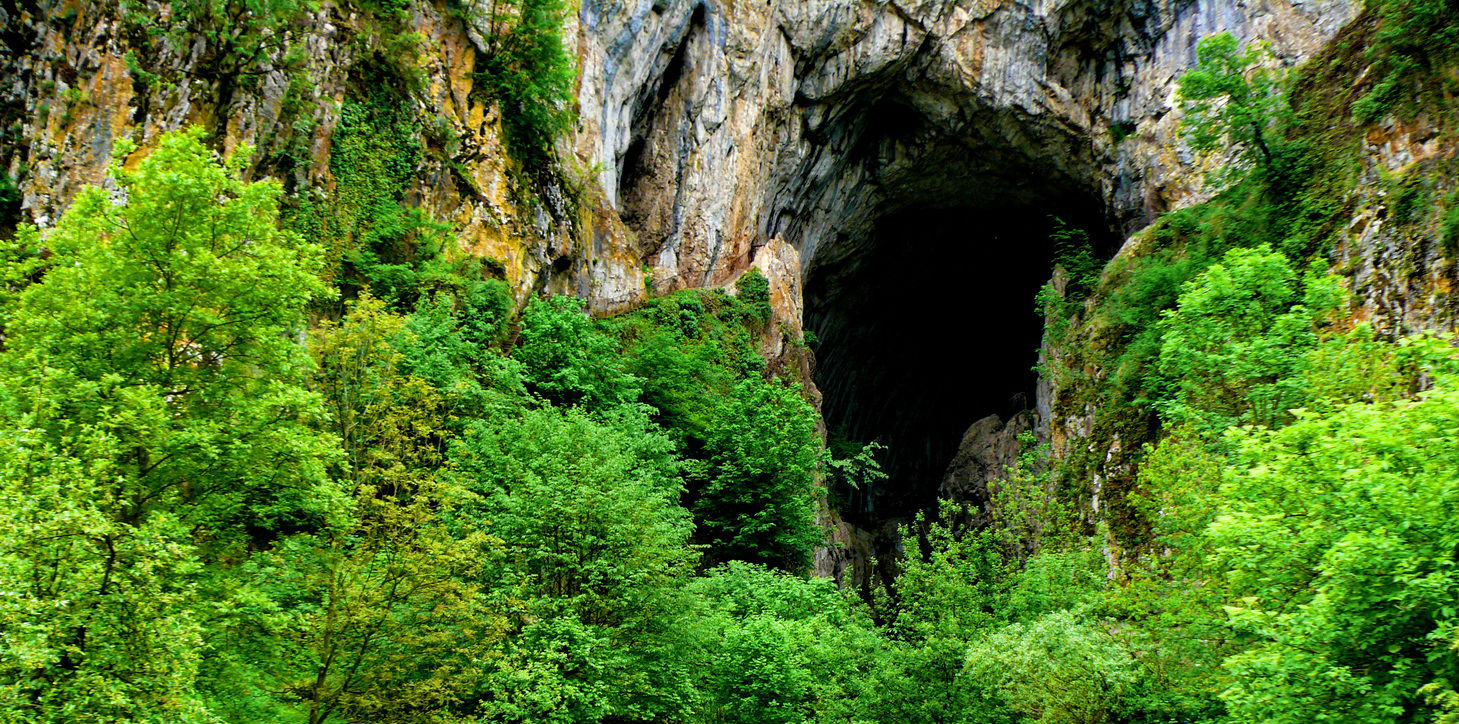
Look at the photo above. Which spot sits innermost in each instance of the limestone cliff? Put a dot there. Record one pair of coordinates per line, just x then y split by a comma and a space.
712, 128
719, 127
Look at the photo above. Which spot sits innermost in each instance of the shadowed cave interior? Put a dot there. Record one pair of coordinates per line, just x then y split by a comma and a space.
929, 329
926, 237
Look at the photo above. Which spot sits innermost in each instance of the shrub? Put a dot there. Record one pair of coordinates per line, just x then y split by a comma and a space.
567, 361
753, 289
758, 503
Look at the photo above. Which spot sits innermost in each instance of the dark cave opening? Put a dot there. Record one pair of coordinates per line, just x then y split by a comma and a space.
933, 326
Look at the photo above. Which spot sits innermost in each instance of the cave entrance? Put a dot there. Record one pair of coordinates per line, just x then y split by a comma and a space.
932, 325
923, 216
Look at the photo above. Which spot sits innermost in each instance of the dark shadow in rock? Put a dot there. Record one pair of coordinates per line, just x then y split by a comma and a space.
931, 328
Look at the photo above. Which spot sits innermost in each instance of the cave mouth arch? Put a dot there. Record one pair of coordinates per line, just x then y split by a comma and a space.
921, 204
924, 312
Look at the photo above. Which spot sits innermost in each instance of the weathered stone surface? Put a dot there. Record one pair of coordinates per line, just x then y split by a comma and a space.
1400, 272
713, 127
67, 89
718, 127
989, 449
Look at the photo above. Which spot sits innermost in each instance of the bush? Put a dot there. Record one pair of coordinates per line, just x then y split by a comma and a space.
1333, 544
566, 360
1230, 350
781, 649
754, 290
758, 502
595, 556
1231, 97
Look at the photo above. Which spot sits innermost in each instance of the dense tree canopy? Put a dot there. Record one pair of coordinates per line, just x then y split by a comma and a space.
157, 417
332, 470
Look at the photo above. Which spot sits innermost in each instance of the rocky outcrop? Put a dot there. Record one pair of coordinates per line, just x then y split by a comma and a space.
73, 83
706, 129
1394, 246
988, 451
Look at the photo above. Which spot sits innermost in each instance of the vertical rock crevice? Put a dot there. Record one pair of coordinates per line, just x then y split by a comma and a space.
651, 169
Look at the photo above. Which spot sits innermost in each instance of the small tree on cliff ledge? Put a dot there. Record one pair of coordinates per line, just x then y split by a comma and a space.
1232, 98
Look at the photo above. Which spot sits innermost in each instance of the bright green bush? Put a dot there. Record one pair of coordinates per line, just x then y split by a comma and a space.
595, 551
1230, 350
1232, 97
1335, 539
781, 649
568, 361
757, 503
689, 349
754, 290
1057, 669
155, 421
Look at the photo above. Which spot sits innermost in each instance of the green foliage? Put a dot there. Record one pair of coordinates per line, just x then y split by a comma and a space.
530, 71
1232, 97
22, 261
1382, 97
944, 599
156, 419
1027, 510
568, 361
1057, 669
1413, 40
1141, 288
1231, 347
1074, 253
1121, 130
211, 510
594, 554
982, 636
370, 233
1337, 534
1449, 227
1295, 547
751, 446
364, 224
1076, 271
486, 312
758, 503
688, 349
857, 467
785, 649
1426, 31
441, 349
239, 36
1277, 560
753, 289
9, 205
208, 520
950, 591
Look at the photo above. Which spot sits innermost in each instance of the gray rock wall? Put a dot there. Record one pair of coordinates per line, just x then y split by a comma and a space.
718, 126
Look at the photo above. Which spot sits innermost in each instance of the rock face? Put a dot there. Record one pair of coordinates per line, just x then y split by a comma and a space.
712, 127
988, 450
720, 126
67, 95
1401, 273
